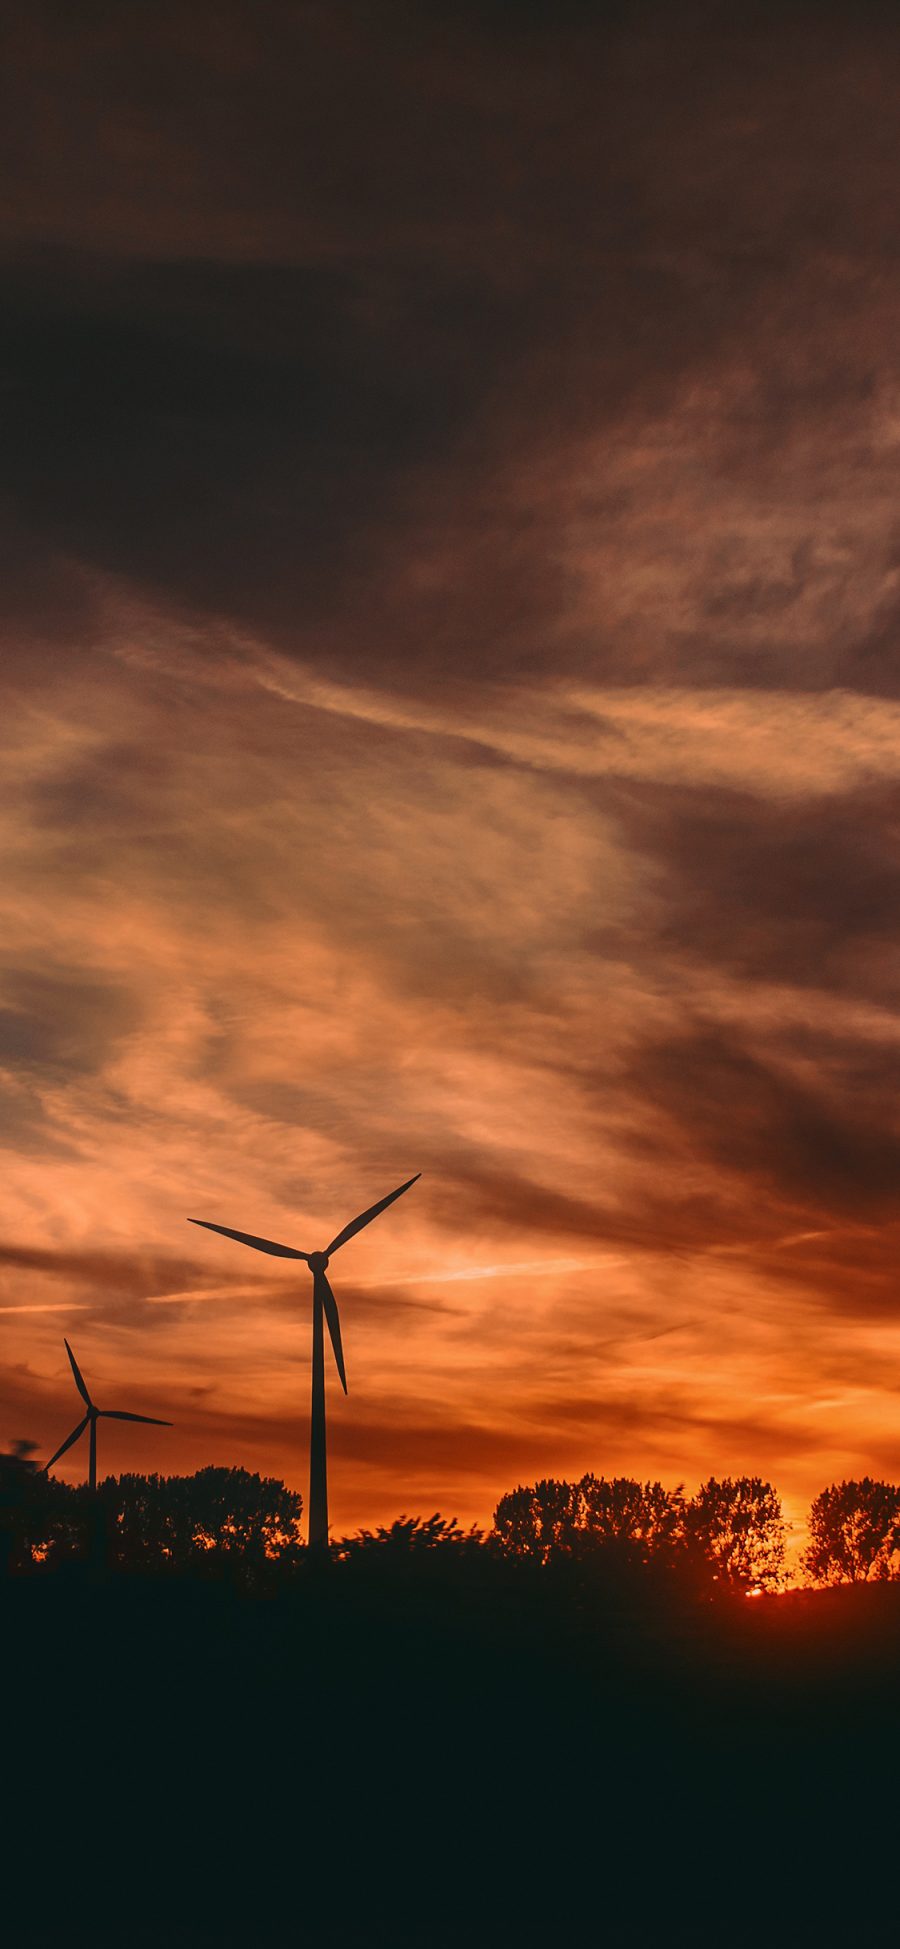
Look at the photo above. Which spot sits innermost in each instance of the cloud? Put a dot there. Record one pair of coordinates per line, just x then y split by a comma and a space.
121, 1270
450, 382
451, 722
828, 1143
55, 1019
801, 893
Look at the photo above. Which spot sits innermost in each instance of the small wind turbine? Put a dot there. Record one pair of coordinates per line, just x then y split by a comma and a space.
91, 1419
324, 1303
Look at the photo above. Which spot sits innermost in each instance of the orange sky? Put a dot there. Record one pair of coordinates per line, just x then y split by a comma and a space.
452, 724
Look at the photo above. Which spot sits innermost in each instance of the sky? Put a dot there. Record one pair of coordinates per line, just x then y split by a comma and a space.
450, 486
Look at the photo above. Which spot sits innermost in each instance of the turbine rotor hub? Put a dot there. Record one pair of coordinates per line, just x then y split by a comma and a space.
318, 1261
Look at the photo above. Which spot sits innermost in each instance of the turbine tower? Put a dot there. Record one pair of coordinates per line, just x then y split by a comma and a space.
91, 1419
324, 1308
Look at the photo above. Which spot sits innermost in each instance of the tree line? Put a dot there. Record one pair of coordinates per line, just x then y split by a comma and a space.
733, 1528
731, 1534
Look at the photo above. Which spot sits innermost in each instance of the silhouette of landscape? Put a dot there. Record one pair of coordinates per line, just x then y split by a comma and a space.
605, 1718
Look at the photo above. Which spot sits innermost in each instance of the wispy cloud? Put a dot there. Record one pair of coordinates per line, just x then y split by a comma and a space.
48, 1306
776, 743
451, 722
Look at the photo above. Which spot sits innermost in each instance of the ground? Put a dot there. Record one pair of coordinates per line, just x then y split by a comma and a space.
418, 1759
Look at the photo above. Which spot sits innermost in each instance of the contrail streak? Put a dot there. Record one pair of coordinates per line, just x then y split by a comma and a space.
50, 1306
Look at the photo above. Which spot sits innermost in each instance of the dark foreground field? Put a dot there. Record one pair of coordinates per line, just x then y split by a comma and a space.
371, 1759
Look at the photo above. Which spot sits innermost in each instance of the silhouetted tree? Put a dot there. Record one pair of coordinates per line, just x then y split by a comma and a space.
854, 1532
20, 1487
642, 1520
634, 1520
177, 1520
410, 1536
539, 1522
735, 1527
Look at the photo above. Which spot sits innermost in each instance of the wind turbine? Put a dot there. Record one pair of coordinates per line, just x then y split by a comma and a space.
324, 1305
91, 1419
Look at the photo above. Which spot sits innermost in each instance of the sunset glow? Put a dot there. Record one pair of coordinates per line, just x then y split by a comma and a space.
451, 724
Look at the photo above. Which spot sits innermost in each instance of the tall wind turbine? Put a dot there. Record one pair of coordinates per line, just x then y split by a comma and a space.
324, 1305
91, 1419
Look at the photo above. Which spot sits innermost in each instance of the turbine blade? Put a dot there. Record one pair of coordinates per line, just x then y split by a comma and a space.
247, 1238
68, 1443
366, 1217
119, 1414
79, 1377
334, 1325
